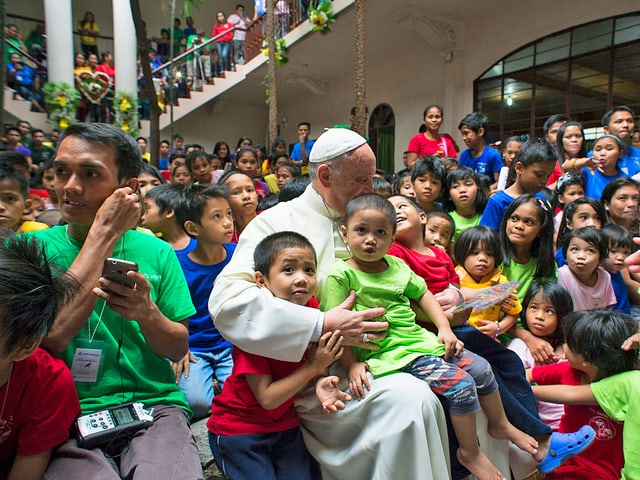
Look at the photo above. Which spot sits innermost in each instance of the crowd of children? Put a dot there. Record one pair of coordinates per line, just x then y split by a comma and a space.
440, 225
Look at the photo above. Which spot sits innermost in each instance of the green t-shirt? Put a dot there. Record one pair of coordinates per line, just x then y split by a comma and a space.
462, 223
619, 397
391, 289
132, 371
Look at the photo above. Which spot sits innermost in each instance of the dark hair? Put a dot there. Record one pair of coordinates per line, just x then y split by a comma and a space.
37, 130
381, 184
176, 167
475, 121
513, 138
591, 235
11, 158
543, 244
429, 107
216, 151
235, 171
613, 186
535, 151
12, 128
293, 188
555, 118
278, 141
560, 145
371, 201
195, 155
193, 200
177, 136
606, 118
242, 139
31, 292
570, 210
294, 169
241, 151
166, 142
597, 335
151, 170
269, 247
304, 123
459, 174
444, 216
429, 165
268, 201
561, 301
8, 173
474, 237
398, 178
567, 180
125, 148
166, 196
618, 237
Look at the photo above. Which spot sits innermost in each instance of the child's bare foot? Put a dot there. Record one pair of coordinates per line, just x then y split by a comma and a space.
479, 465
508, 432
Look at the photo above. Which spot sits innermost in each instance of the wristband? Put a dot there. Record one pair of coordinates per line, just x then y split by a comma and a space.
497, 329
462, 299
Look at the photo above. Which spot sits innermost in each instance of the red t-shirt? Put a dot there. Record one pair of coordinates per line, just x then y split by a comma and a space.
236, 410
41, 405
604, 459
556, 174
421, 145
223, 27
438, 270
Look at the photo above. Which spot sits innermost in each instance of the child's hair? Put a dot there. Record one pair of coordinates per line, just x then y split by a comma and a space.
31, 292
223, 179
567, 180
153, 171
274, 157
398, 180
591, 235
242, 139
542, 246
450, 163
277, 142
614, 185
570, 210
218, 146
10, 159
440, 214
371, 201
294, 169
533, 151
513, 138
267, 202
269, 247
561, 301
175, 169
618, 237
196, 155
478, 237
474, 122
429, 165
380, 184
458, 175
597, 335
293, 188
166, 196
193, 201
560, 145
8, 173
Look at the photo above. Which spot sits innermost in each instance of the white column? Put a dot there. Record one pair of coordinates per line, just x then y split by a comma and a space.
59, 27
124, 47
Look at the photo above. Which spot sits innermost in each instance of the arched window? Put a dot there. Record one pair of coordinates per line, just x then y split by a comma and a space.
581, 72
382, 133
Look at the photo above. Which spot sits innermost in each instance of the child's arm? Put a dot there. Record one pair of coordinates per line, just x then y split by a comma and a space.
31, 467
567, 394
358, 380
271, 394
541, 350
330, 396
633, 342
632, 286
182, 366
430, 305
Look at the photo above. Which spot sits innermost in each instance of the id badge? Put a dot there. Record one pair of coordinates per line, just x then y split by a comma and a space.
86, 361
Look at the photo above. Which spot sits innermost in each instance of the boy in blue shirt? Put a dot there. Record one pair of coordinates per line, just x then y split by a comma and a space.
478, 156
204, 213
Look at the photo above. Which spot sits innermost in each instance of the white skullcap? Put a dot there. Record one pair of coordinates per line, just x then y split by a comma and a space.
333, 143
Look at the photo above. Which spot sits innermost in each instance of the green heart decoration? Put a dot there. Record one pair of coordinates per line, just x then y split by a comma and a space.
94, 85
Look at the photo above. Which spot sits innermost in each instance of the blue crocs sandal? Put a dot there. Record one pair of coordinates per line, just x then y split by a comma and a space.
563, 446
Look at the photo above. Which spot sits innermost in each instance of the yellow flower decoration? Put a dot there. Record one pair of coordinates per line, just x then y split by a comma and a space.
63, 123
124, 105
62, 100
125, 127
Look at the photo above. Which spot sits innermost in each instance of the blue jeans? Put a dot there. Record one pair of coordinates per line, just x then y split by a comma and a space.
264, 456
198, 387
223, 49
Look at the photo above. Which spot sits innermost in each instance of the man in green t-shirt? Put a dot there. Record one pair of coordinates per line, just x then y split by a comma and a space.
116, 338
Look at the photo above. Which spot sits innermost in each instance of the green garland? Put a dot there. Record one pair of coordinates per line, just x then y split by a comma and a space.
322, 17
281, 51
125, 106
61, 101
